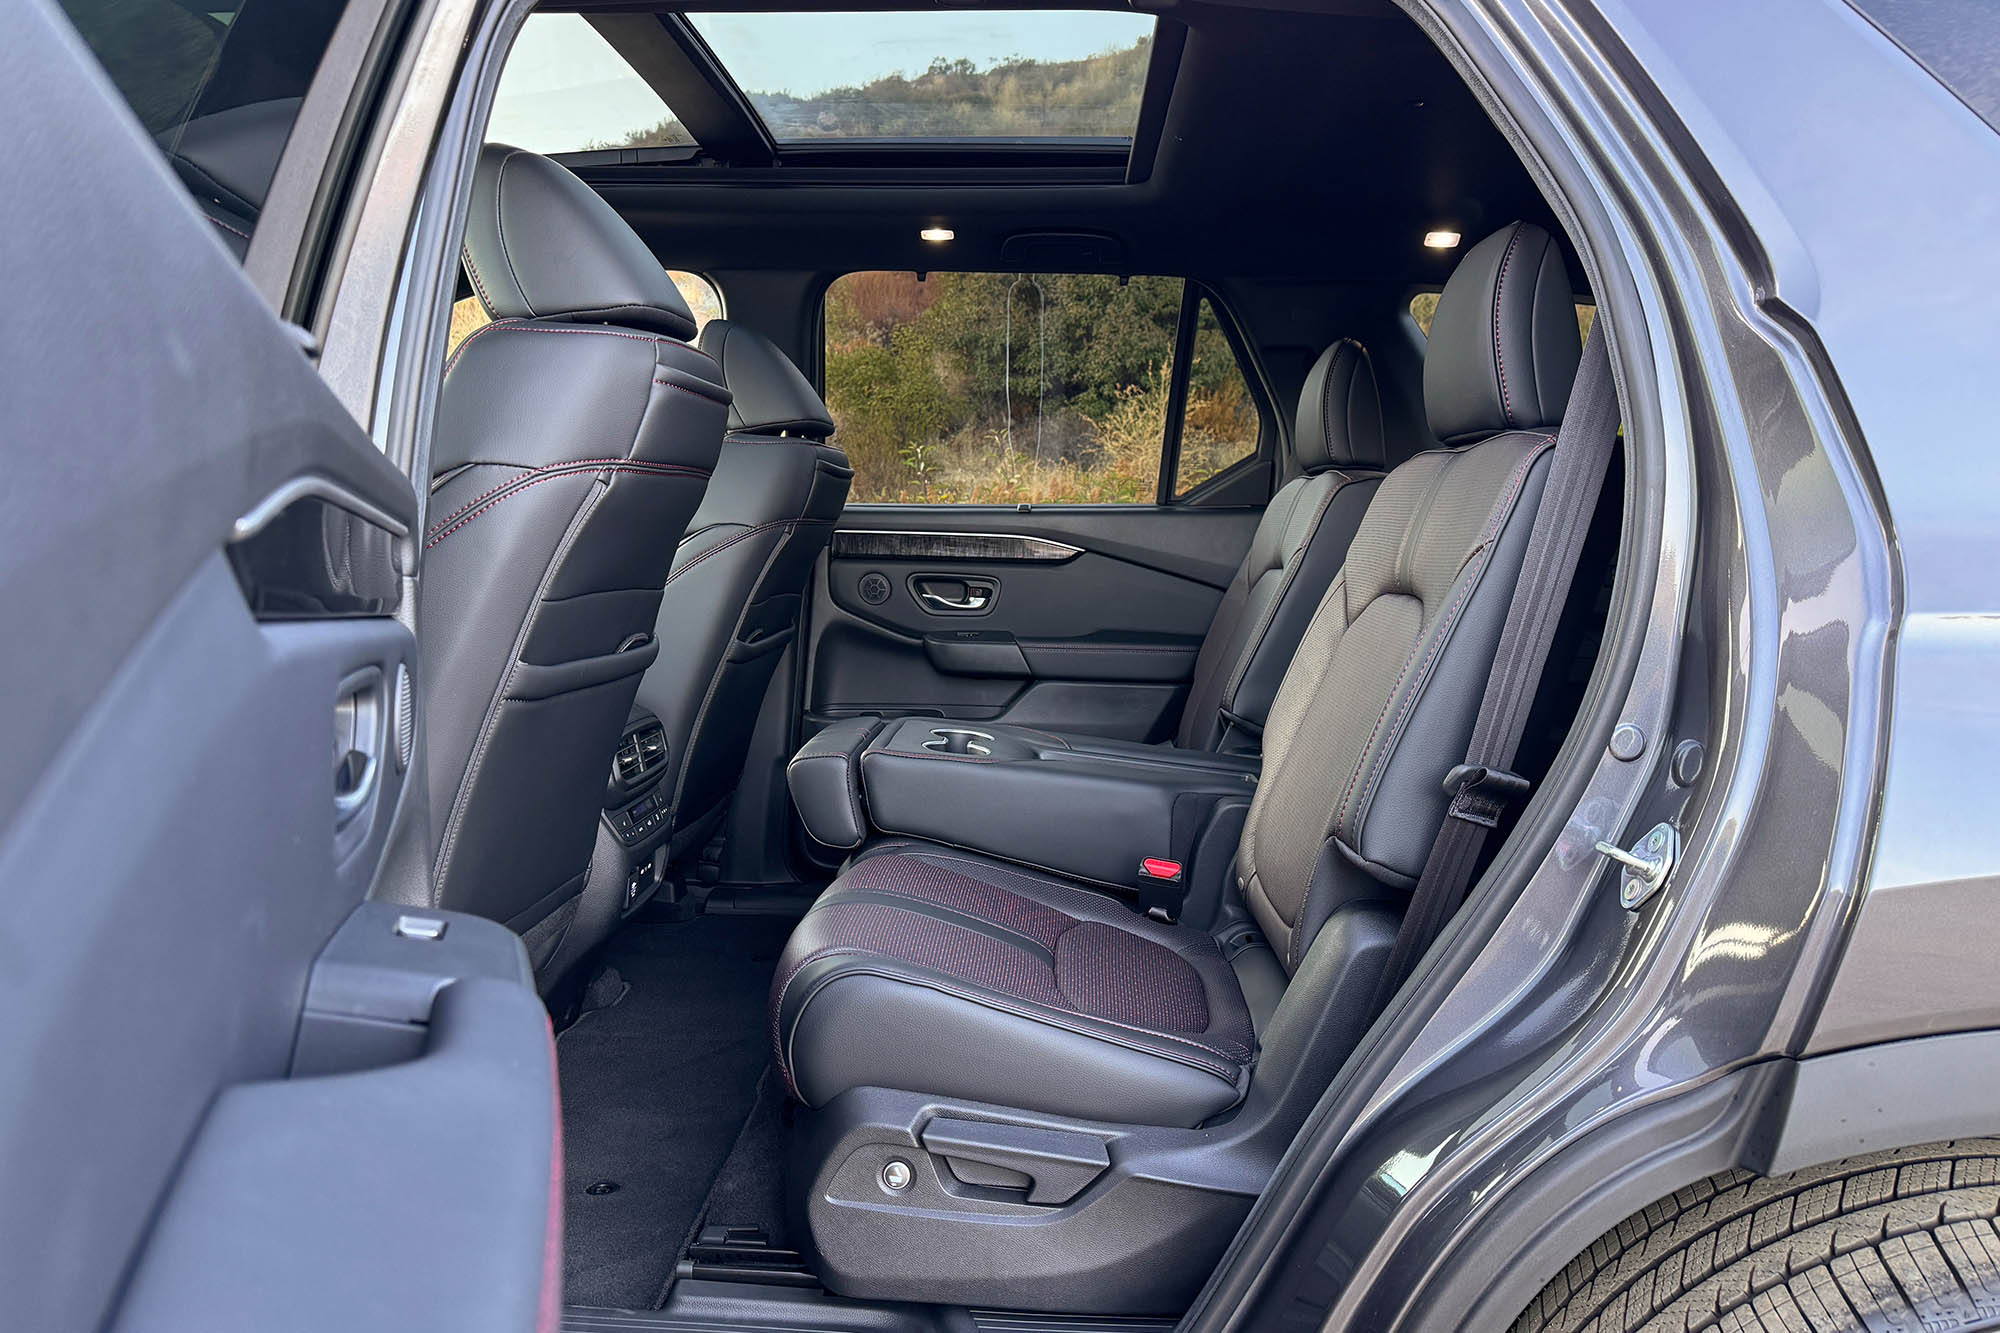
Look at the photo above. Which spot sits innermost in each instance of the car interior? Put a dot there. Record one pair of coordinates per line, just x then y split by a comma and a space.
962, 557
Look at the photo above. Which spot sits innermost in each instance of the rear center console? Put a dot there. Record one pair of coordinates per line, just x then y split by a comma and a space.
1159, 823
638, 806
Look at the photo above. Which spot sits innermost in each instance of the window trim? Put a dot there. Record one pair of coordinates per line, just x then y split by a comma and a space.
1270, 433
693, 82
1177, 393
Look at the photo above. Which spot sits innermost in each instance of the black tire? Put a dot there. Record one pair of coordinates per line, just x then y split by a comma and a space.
1895, 1240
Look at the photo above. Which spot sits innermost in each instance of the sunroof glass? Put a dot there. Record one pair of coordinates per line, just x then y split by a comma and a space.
1048, 74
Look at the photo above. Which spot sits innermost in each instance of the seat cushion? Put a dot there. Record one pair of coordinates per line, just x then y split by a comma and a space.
932, 970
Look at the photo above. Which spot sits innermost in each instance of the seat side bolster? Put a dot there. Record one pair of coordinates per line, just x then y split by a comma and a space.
853, 1020
1308, 575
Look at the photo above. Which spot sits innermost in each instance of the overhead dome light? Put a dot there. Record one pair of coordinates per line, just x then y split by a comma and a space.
937, 234
1441, 240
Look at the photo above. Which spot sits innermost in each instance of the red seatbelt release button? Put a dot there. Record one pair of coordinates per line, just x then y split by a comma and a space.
1155, 867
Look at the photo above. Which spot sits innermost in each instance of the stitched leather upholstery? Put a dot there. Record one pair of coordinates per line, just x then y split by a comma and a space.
569, 453
1298, 547
944, 972
737, 589
1380, 700
227, 158
941, 972
1504, 342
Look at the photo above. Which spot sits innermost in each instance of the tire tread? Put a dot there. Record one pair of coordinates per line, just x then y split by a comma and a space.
1901, 1241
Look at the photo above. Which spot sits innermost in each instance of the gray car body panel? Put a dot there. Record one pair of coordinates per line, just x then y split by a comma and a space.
1771, 173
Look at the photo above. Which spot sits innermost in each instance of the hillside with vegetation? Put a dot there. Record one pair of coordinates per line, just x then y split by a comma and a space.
1095, 97
997, 388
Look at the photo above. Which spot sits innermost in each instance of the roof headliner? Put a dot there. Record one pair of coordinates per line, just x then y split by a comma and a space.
1317, 145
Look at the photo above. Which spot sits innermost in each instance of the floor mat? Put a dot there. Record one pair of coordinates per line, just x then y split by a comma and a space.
749, 1191
656, 1089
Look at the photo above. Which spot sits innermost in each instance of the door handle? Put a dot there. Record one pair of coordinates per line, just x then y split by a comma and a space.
359, 731
975, 599
954, 597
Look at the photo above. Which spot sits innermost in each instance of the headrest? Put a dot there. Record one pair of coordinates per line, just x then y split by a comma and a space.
231, 155
1340, 414
1504, 346
768, 395
540, 244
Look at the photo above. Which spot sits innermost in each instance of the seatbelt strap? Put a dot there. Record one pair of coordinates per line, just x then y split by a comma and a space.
1484, 786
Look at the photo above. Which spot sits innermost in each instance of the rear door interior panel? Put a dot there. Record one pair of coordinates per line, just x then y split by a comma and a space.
1084, 618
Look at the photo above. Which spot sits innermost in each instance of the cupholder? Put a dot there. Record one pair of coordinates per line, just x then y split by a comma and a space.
958, 740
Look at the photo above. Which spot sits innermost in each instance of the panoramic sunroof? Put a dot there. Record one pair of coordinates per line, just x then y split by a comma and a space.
1003, 75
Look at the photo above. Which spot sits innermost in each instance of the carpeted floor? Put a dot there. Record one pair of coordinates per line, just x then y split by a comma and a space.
657, 1087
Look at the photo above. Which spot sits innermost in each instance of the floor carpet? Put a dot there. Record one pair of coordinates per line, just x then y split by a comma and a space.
656, 1089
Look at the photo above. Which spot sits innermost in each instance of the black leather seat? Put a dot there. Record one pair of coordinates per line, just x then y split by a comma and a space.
733, 600
932, 971
1338, 447
574, 440
226, 160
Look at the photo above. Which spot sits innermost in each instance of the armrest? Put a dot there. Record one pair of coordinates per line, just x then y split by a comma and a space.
1086, 807
421, 1196
1130, 657
1139, 658
825, 780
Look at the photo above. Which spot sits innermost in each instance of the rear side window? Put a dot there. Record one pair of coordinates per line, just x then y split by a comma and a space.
1029, 388
1220, 426
216, 85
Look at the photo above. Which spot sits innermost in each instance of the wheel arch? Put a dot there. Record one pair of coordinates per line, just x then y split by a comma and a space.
1772, 1118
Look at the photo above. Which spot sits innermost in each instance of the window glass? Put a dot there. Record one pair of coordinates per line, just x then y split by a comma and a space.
1424, 305
993, 74
565, 89
217, 85
1220, 424
996, 388
158, 53
701, 295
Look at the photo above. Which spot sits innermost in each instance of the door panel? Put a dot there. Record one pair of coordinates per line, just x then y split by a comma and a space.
1083, 619
203, 751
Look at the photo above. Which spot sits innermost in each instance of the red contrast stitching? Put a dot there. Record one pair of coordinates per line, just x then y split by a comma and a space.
474, 336
541, 475
745, 535
233, 231
522, 470
1040, 1013
465, 253
1499, 360
669, 384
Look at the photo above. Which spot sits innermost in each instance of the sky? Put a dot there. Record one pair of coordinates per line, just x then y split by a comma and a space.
564, 87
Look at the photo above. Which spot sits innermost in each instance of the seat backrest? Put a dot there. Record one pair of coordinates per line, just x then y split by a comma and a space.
575, 438
1299, 545
1381, 697
738, 584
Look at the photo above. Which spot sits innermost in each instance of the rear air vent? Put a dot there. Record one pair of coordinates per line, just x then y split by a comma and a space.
640, 753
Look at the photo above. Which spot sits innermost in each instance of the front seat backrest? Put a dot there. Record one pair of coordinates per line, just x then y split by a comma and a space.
738, 584
574, 440
1380, 701
1337, 444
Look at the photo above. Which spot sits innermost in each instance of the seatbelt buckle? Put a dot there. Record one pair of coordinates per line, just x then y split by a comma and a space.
1159, 887
1481, 795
